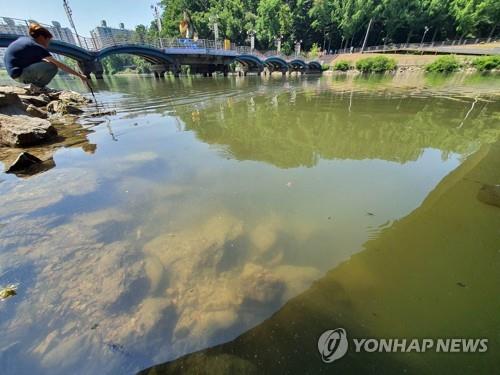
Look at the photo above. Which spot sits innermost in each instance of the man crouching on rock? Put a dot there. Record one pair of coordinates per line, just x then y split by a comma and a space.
28, 61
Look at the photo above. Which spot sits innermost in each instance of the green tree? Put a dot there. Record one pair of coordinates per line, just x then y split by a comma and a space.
488, 14
331, 22
140, 34
465, 13
274, 19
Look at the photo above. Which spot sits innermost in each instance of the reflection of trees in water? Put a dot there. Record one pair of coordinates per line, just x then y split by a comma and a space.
291, 123
292, 130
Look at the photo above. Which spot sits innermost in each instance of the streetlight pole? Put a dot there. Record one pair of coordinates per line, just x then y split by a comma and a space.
297, 47
251, 33
214, 19
366, 35
426, 29
278, 43
156, 13
69, 13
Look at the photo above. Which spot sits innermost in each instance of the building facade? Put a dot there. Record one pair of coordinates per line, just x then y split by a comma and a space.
16, 27
105, 36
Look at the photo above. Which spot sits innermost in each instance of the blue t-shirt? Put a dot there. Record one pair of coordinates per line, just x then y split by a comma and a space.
21, 53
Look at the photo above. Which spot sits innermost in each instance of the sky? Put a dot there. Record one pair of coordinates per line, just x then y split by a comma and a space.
87, 14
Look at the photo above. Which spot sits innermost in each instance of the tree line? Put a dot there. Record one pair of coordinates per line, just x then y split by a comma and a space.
329, 24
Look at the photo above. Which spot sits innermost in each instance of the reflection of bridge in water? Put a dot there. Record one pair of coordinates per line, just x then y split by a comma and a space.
201, 55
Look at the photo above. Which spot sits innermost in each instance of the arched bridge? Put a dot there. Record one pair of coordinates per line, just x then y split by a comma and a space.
202, 56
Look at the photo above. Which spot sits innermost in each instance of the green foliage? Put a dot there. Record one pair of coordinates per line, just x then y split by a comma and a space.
314, 51
332, 23
342, 65
484, 63
70, 62
377, 64
119, 63
444, 64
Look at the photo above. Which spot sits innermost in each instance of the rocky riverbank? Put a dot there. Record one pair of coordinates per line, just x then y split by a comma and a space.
32, 119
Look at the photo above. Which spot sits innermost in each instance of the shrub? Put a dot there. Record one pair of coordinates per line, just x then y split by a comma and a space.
377, 64
444, 64
342, 65
314, 52
486, 63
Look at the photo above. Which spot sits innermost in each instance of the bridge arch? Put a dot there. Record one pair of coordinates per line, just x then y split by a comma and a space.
314, 65
276, 63
249, 60
298, 64
151, 54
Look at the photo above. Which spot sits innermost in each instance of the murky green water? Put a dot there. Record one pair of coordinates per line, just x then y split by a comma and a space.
205, 205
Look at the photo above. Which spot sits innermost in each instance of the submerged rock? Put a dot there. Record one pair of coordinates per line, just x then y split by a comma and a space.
29, 165
21, 130
489, 194
23, 161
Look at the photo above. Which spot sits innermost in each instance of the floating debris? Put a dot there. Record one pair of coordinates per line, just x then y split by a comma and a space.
8, 291
117, 348
101, 113
461, 284
370, 214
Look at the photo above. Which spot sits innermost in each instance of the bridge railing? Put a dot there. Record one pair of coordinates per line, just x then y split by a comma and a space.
15, 26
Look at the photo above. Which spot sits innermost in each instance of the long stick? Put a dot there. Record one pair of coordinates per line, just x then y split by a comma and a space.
93, 95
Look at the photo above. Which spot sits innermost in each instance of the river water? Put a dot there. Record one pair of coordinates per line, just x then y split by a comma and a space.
205, 206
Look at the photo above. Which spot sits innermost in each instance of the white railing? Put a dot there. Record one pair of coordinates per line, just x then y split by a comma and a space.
413, 46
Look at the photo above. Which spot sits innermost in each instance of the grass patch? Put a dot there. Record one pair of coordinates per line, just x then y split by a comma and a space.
444, 64
377, 64
342, 65
485, 63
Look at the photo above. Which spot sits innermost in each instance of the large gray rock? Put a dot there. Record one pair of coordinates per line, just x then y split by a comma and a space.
36, 112
72, 97
21, 131
63, 108
10, 104
39, 101
8, 99
13, 90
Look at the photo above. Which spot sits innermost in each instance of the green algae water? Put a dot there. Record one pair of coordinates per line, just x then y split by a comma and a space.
222, 225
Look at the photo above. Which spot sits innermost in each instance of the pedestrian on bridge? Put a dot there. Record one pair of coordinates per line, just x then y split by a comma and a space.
28, 60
